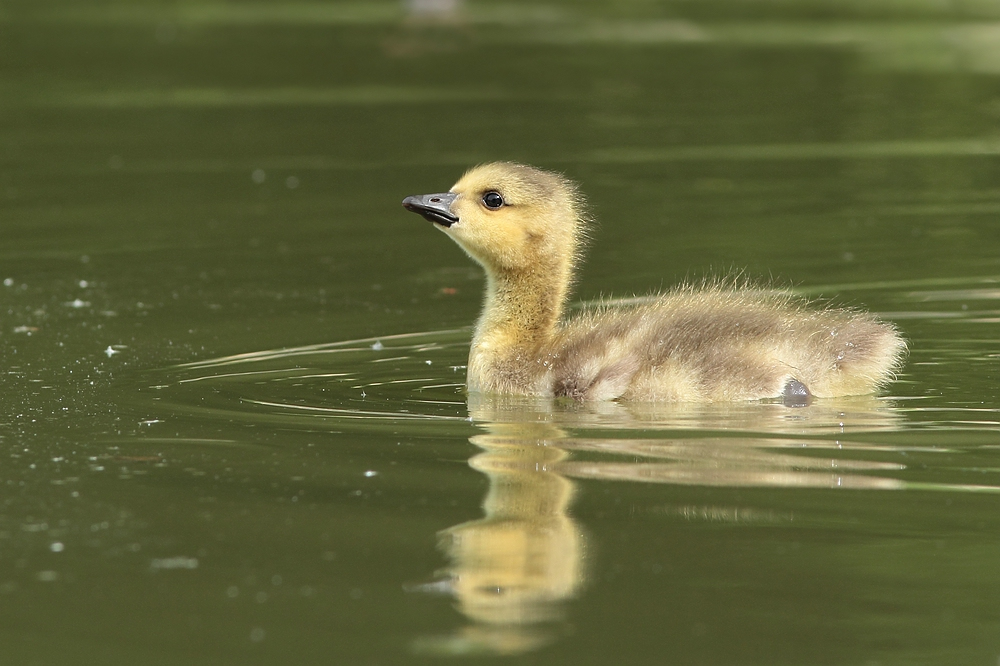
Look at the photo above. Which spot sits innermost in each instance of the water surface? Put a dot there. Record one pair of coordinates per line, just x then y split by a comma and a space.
233, 424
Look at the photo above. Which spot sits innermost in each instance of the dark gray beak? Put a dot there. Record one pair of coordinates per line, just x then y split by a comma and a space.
433, 207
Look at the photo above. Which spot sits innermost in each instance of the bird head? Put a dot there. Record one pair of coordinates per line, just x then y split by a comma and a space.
509, 217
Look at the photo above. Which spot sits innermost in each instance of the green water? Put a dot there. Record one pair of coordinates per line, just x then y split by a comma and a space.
232, 426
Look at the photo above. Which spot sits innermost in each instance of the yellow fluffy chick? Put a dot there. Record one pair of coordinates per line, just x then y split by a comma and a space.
720, 342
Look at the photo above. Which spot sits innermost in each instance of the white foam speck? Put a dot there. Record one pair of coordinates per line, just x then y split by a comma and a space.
179, 562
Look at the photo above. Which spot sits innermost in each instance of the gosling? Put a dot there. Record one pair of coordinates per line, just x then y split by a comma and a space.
720, 342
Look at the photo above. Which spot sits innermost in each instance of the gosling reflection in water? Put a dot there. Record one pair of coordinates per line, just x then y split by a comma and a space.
512, 571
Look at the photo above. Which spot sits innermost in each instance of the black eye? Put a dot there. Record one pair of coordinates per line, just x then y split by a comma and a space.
492, 200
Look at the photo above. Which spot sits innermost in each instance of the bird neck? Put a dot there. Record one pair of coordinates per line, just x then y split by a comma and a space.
521, 310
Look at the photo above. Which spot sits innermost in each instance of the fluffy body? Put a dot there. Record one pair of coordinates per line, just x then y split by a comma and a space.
709, 344
713, 343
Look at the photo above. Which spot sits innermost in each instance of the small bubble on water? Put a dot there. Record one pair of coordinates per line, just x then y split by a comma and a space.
258, 176
57, 547
84, 284
377, 345
8, 282
370, 473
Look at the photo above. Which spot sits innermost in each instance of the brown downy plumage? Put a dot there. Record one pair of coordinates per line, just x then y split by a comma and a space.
722, 341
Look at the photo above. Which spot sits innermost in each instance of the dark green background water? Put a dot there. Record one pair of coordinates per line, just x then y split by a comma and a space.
181, 182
